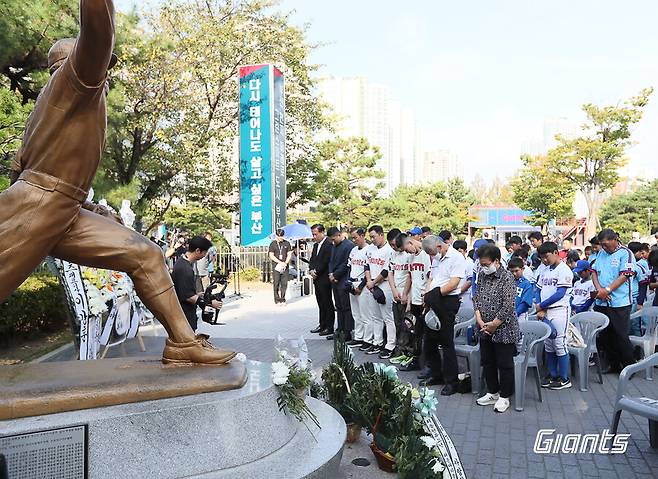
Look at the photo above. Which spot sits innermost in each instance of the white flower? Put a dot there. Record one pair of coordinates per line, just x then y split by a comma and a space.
241, 357
437, 467
429, 441
280, 373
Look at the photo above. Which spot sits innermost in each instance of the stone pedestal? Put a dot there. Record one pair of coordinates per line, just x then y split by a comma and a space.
229, 434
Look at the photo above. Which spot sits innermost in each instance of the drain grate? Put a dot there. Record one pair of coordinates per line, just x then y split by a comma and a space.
361, 462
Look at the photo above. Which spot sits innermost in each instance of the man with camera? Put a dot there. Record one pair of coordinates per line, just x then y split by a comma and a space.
185, 281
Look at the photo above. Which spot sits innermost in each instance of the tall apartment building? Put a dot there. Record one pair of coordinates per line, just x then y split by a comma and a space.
441, 165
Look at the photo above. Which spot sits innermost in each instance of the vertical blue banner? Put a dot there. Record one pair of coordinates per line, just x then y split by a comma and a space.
279, 149
256, 166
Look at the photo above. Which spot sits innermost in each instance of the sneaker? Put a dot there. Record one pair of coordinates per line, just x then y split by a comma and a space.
407, 360
488, 399
501, 405
385, 354
398, 359
425, 373
560, 383
374, 349
547, 381
410, 366
365, 346
353, 343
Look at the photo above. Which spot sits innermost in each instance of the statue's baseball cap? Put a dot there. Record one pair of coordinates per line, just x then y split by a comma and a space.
61, 50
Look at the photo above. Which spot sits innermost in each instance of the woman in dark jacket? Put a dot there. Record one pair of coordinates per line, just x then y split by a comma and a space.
499, 329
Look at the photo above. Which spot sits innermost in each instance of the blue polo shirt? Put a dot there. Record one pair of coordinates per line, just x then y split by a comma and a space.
608, 267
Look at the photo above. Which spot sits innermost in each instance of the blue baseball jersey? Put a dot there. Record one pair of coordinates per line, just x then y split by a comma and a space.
525, 293
609, 267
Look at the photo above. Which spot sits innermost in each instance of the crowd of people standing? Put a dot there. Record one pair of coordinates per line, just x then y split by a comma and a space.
397, 294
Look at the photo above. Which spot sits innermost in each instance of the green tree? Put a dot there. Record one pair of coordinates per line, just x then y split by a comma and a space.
196, 219
591, 162
634, 211
350, 181
13, 115
175, 114
28, 28
537, 188
441, 205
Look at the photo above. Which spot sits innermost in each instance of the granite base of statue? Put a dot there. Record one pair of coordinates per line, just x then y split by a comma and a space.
196, 421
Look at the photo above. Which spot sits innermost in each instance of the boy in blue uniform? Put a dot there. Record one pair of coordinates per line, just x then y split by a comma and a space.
583, 292
552, 298
612, 273
525, 291
640, 280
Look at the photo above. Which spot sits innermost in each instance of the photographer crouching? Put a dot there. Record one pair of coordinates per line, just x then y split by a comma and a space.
185, 281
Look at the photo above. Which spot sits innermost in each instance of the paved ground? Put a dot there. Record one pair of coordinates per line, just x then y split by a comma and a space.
489, 444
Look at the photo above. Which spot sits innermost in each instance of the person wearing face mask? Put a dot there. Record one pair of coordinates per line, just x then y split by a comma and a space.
448, 269
495, 314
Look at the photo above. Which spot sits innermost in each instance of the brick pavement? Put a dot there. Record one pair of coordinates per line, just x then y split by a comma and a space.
489, 444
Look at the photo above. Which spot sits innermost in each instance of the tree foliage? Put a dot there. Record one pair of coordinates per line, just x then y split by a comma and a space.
499, 192
13, 115
196, 219
591, 162
632, 212
547, 195
349, 182
28, 28
441, 205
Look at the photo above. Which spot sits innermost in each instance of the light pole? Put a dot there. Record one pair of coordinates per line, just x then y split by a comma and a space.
649, 212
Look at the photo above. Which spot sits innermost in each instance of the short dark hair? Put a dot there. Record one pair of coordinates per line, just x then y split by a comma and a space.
399, 240
445, 235
520, 253
573, 255
319, 227
489, 251
594, 241
634, 246
645, 247
377, 229
536, 235
460, 244
359, 231
490, 240
547, 247
332, 231
588, 248
515, 240
426, 229
199, 243
515, 262
280, 232
392, 234
608, 234
653, 258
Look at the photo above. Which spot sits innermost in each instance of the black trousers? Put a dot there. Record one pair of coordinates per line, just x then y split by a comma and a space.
280, 281
497, 359
419, 330
325, 304
613, 340
445, 307
343, 310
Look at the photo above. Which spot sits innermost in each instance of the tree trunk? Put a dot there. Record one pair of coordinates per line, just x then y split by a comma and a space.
592, 198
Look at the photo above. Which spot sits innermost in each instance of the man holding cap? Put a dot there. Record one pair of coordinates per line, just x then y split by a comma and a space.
339, 275
448, 269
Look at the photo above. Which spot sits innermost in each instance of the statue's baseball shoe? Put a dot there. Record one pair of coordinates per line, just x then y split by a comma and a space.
198, 351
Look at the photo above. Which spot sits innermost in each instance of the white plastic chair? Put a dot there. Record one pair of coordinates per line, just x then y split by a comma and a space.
649, 340
590, 324
534, 335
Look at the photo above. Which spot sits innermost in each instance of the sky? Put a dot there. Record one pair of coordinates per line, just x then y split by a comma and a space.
481, 76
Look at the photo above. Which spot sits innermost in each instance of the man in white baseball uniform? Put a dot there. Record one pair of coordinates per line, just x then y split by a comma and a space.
359, 301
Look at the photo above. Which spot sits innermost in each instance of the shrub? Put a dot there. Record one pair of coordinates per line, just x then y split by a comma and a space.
250, 274
37, 305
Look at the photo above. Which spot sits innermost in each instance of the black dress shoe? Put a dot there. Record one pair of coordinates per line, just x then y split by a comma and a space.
611, 369
425, 373
316, 330
431, 381
326, 332
329, 337
449, 390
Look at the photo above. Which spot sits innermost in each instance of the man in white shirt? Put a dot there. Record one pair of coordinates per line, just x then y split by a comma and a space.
359, 301
448, 269
377, 272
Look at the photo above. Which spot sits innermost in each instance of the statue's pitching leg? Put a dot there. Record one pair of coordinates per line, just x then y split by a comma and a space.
96, 241
31, 221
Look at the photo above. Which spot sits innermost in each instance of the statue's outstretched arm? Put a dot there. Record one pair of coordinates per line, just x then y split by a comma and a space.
93, 50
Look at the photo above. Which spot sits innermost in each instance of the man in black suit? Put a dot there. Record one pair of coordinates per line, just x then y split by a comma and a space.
319, 271
339, 275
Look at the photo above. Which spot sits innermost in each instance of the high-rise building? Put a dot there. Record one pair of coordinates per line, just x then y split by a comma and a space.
441, 165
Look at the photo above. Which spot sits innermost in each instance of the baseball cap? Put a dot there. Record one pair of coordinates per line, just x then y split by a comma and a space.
415, 230
432, 321
379, 295
582, 265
